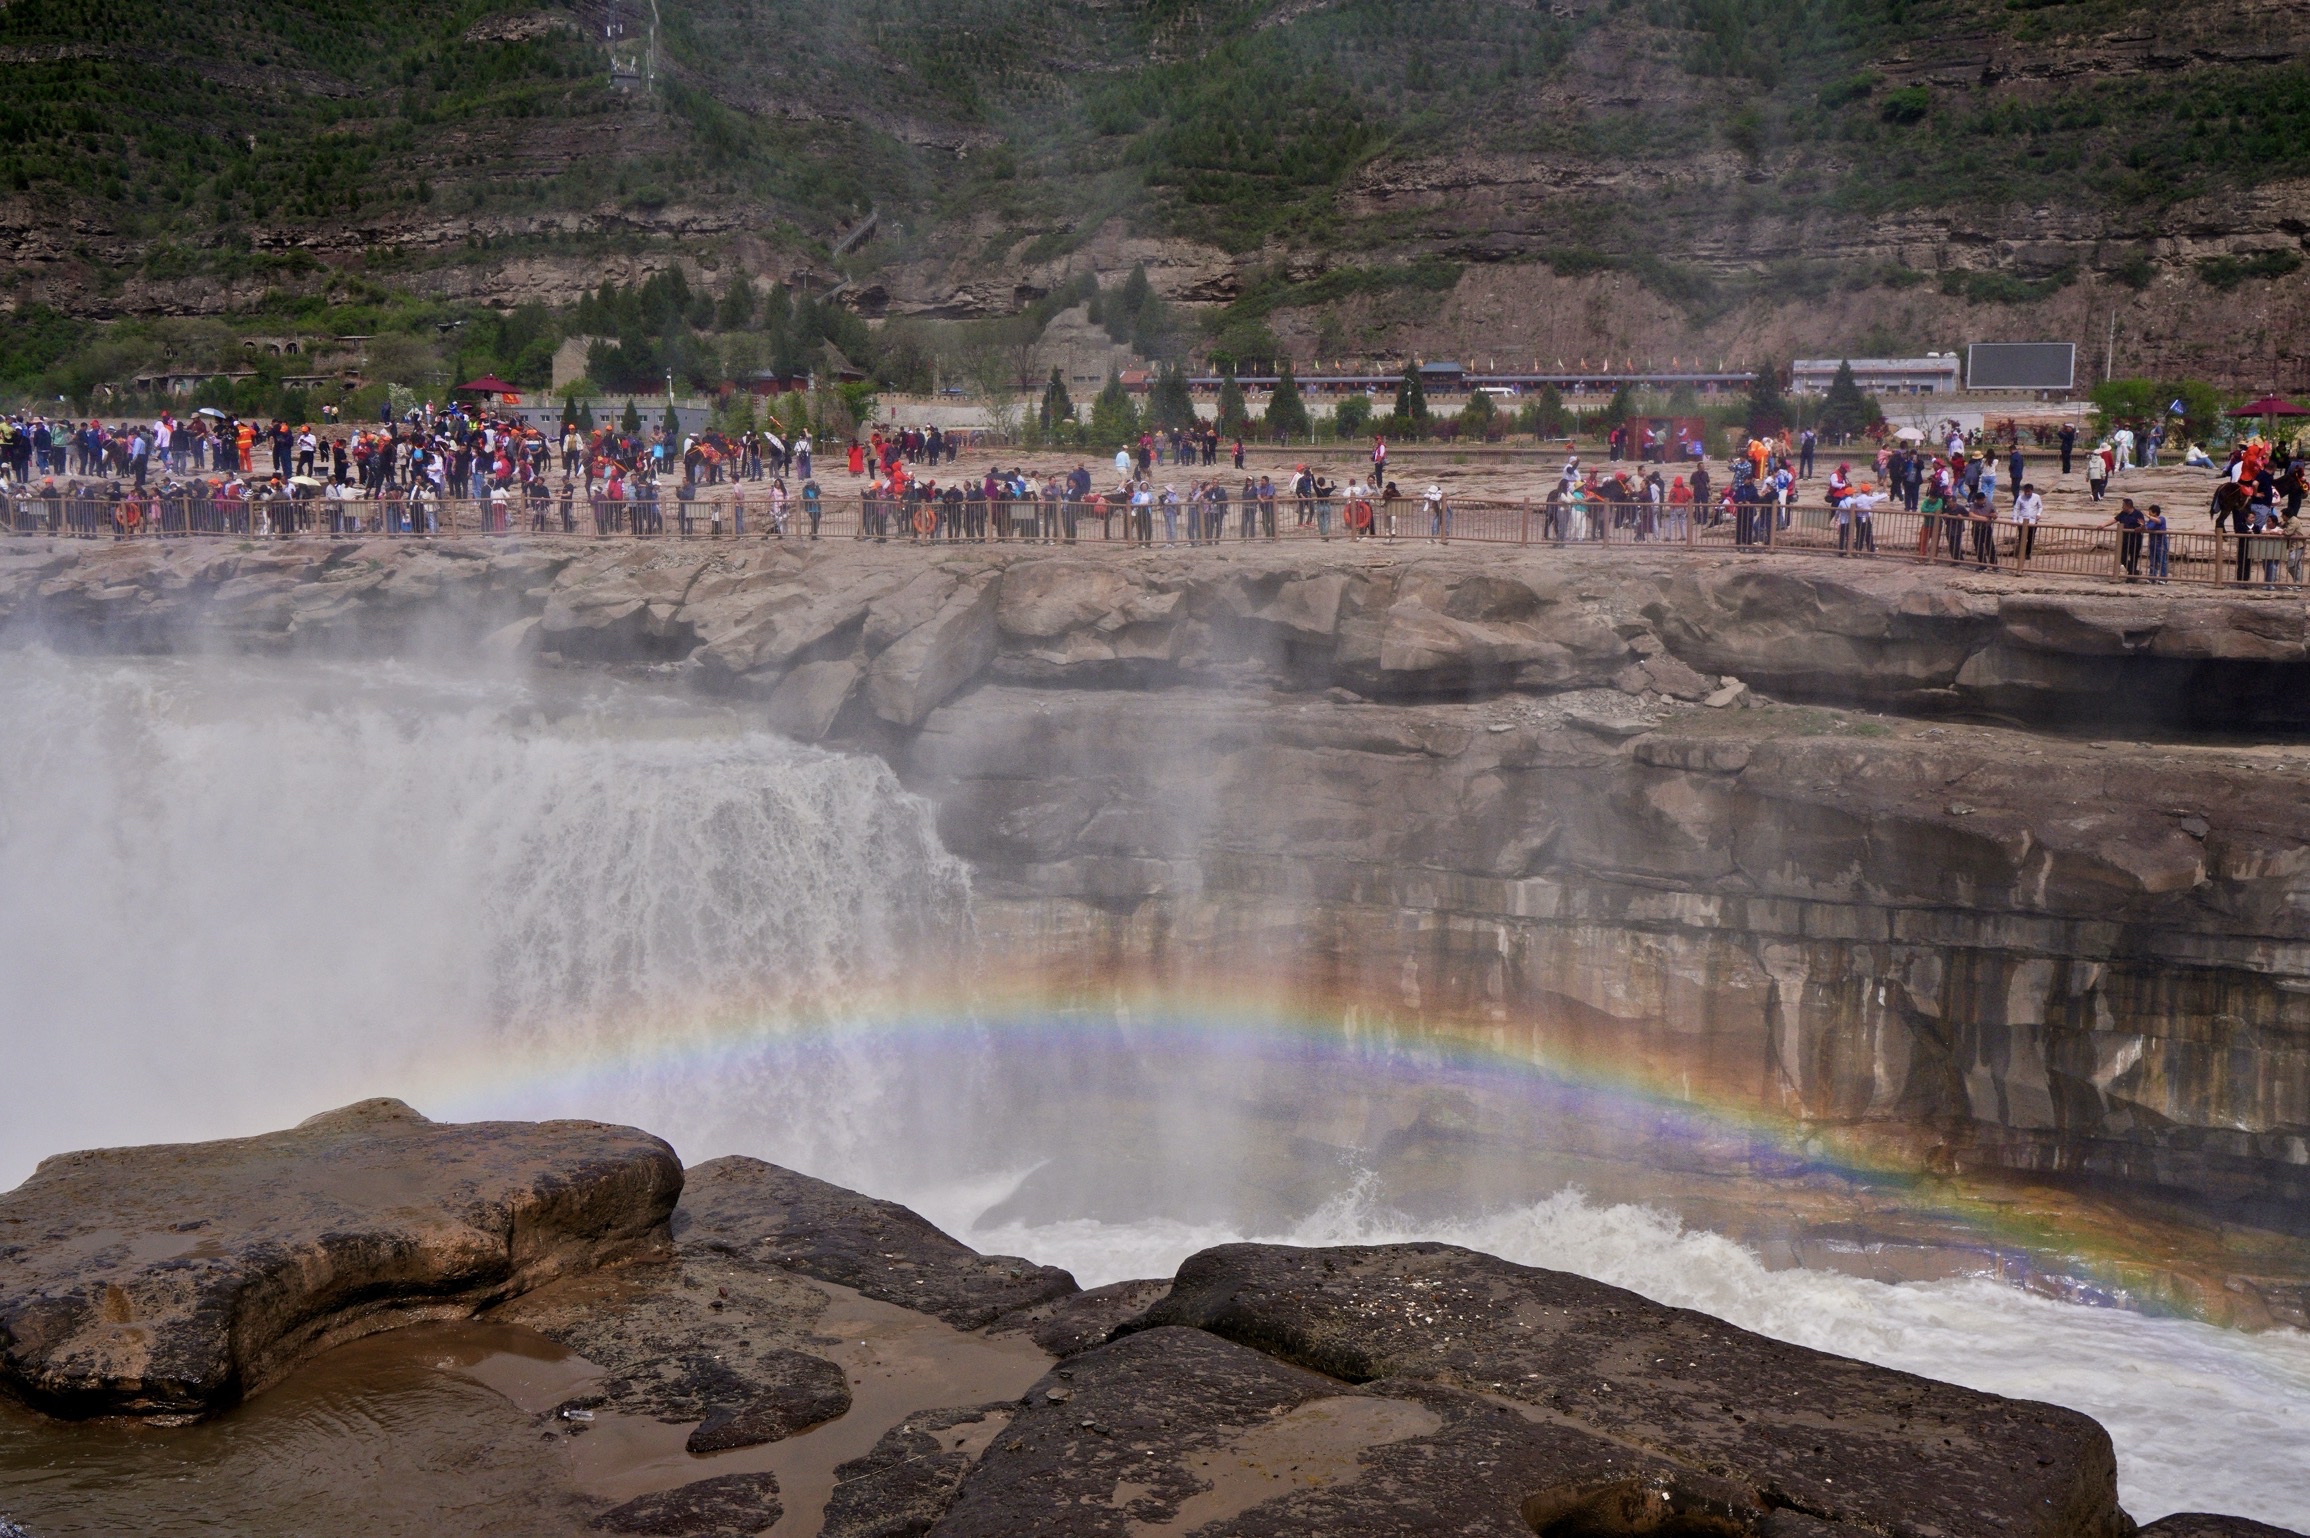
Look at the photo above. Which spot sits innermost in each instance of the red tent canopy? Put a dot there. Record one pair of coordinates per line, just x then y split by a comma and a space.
489, 384
2272, 406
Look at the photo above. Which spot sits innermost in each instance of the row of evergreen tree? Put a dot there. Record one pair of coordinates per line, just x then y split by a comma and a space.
1844, 412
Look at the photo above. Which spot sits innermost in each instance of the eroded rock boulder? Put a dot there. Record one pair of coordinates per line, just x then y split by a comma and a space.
906, 1482
756, 1211
2204, 1524
1844, 1441
937, 655
172, 1281
1078, 1321
806, 703
726, 1506
1128, 1436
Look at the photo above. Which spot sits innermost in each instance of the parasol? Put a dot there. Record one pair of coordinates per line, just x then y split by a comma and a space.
487, 384
2272, 406
211, 411
1910, 435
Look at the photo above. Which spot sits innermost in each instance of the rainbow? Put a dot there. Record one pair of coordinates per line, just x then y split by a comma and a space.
2049, 1239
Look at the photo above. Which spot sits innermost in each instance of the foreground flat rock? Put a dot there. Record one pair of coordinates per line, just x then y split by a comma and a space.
1841, 1440
172, 1281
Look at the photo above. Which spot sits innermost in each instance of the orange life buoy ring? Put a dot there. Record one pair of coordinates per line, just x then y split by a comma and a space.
925, 519
1359, 514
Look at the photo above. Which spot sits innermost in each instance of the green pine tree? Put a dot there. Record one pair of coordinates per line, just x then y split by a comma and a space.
1845, 410
1058, 407
631, 423
585, 417
1766, 411
1234, 416
1113, 418
1286, 412
1136, 291
739, 301
1549, 419
1411, 399
1169, 404
1478, 417
1620, 408
1352, 415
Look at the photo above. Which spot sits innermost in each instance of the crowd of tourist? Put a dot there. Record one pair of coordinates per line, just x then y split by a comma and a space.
211, 473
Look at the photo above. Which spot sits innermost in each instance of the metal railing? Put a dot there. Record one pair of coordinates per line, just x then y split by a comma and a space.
727, 514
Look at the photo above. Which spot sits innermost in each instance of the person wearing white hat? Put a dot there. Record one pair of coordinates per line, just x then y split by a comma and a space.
1439, 515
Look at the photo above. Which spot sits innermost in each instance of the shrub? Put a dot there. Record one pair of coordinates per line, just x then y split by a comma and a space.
2224, 273
1910, 104
1853, 87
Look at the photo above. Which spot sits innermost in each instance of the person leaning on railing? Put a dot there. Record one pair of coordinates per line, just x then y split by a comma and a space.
2130, 522
1984, 516
2028, 508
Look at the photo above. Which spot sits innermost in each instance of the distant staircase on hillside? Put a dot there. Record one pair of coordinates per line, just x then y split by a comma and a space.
860, 233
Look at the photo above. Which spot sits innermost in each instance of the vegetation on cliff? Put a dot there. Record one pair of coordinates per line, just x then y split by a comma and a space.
304, 166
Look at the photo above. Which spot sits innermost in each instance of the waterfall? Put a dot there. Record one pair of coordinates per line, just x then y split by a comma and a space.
234, 893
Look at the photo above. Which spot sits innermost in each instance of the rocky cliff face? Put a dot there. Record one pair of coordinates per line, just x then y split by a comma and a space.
1937, 864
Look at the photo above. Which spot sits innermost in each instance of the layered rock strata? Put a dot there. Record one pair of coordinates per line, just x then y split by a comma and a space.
2025, 920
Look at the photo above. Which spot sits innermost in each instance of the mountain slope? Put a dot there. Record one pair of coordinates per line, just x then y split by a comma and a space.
1646, 177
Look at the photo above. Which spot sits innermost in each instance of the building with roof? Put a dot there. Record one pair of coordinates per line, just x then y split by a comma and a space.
1936, 373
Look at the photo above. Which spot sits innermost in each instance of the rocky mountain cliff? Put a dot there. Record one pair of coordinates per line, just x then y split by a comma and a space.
1634, 179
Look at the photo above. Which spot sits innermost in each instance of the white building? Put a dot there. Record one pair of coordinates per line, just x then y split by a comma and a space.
1934, 374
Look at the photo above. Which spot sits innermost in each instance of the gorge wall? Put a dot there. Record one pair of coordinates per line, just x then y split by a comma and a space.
1952, 868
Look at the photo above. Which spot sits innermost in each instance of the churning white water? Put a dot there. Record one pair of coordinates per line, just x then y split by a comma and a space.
2203, 1418
233, 893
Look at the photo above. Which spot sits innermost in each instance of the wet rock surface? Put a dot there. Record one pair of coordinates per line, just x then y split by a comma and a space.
1265, 1391
746, 1209
171, 1281
1104, 1444
1079, 1321
726, 1506
908, 1481
1793, 1428
718, 1345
